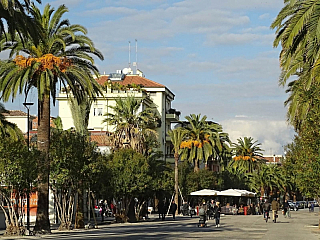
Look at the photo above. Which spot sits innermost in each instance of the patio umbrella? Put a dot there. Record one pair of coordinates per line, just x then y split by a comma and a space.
236, 193
205, 192
248, 193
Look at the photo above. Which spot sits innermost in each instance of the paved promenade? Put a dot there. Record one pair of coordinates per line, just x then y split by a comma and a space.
302, 225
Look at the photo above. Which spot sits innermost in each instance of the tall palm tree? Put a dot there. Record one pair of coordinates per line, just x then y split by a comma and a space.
133, 128
64, 56
248, 155
204, 139
176, 136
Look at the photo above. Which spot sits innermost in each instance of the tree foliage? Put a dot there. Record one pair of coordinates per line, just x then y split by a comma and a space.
248, 155
14, 18
133, 128
297, 30
203, 140
18, 171
303, 156
8, 129
74, 163
63, 54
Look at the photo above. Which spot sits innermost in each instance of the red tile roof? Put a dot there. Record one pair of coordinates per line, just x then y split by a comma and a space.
15, 113
100, 137
130, 79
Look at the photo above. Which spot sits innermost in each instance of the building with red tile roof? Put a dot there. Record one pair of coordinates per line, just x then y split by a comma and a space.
121, 84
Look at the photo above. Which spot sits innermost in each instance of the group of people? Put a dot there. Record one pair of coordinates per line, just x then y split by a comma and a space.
211, 210
274, 206
105, 209
163, 208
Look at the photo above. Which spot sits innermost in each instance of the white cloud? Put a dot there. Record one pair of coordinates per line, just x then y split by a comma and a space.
239, 39
110, 11
264, 16
273, 135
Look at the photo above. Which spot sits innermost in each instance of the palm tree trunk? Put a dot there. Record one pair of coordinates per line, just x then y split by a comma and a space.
42, 220
196, 165
176, 180
262, 191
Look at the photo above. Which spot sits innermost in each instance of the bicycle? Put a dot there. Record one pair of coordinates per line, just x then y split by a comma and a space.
267, 215
274, 216
288, 213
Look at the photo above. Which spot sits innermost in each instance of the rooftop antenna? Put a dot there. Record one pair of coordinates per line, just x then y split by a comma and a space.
136, 55
129, 54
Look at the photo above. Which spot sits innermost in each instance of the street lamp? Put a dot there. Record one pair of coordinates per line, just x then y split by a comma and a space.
27, 106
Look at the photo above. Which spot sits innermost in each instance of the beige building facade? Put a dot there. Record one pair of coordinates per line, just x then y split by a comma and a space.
19, 118
154, 95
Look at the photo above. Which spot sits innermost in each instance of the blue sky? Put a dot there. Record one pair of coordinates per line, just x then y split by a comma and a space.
216, 56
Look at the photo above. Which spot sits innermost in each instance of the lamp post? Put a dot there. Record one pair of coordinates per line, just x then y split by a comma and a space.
27, 106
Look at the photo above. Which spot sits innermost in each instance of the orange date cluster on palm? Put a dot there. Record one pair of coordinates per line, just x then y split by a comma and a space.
48, 61
246, 158
190, 143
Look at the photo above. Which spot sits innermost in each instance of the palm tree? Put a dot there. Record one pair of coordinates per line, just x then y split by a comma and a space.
204, 139
63, 56
8, 129
80, 114
133, 128
13, 13
267, 179
297, 29
248, 155
177, 136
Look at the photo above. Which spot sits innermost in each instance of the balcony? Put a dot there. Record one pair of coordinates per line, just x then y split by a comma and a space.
172, 115
169, 158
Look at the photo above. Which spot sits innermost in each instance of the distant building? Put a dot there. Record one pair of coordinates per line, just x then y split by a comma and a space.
35, 123
20, 118
154, 94
273, 159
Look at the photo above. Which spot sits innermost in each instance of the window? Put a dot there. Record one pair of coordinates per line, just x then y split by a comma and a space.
97, 112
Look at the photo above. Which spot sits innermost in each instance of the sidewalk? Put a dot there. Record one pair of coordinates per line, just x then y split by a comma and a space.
302, 225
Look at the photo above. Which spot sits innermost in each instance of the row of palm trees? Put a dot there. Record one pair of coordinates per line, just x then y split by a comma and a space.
45, 50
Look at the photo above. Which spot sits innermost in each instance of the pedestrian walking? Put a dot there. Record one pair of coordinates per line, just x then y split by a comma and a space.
102, 210
162, 210
285, 207
217, 212
211, 209
173, 209
266, 209
275, 209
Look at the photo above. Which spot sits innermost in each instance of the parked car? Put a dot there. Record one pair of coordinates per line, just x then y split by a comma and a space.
301, 204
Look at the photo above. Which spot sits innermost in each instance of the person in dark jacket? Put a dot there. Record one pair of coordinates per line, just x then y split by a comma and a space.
217, 212
161, 210
266, 209
173, 209
285, 207
275, 209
